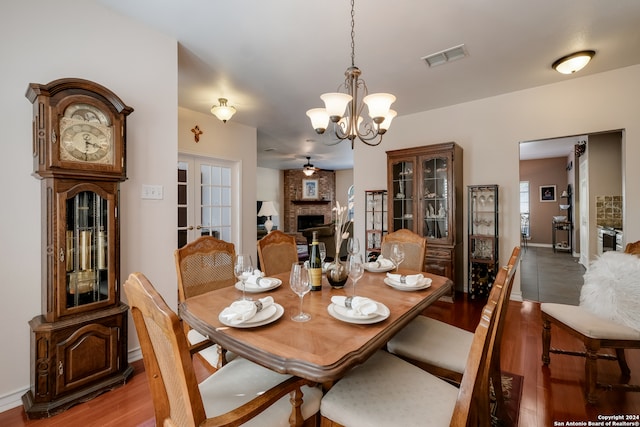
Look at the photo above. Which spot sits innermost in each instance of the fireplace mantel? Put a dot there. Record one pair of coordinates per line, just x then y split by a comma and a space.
310, 202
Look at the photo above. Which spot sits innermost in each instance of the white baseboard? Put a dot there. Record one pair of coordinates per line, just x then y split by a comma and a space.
14, 399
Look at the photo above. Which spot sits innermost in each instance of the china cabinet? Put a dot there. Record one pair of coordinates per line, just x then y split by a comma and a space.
425, 196
375, 221
79, 342
483, 242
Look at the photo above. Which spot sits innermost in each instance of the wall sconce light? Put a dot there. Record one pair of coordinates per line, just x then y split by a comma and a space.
575, 62
580, 148
223, 111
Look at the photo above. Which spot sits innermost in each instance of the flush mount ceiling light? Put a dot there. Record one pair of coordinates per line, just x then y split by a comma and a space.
349, 124
223, 111
575, 62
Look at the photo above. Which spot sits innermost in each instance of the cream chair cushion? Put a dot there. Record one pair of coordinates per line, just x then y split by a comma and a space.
210, 354
239, 381
387, 391
589, 324
434, 342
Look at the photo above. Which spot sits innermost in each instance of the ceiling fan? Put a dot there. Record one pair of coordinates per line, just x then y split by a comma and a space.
308, 168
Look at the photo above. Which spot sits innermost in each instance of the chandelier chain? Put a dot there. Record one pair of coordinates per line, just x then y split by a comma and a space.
353, 34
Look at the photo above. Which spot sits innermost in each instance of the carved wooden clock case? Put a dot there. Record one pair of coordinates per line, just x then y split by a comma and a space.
79, 342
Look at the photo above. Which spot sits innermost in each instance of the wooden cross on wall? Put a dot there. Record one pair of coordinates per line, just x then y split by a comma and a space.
196, 133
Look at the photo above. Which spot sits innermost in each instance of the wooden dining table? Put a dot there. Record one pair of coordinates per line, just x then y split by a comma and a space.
324, 348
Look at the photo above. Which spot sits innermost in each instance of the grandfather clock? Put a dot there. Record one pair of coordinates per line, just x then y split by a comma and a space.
79, 342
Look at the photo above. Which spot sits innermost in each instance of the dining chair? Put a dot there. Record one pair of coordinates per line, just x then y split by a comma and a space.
386, 390
608, 317
277, 251
239, 392
204, 265
414, 245
441, 348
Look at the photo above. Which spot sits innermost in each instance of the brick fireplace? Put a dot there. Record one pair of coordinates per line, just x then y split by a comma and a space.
295, 206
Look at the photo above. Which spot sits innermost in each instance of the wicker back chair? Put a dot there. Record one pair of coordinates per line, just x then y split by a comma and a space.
277, 251
234, 394
204, 265
414, 245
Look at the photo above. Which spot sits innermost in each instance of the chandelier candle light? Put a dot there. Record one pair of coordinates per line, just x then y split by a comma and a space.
349, 124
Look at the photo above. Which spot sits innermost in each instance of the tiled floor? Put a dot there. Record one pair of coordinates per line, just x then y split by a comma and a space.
546, 276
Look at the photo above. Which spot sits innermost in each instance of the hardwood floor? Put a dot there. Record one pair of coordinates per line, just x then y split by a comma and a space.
550, 394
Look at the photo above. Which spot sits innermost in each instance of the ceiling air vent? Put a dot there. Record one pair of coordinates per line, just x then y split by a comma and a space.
445, 56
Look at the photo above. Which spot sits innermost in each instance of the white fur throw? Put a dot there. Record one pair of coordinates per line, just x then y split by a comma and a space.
612, 288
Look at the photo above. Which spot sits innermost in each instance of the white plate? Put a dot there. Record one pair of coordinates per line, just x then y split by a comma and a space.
424, 283
254, 289
371, 266
334, 312
264, 317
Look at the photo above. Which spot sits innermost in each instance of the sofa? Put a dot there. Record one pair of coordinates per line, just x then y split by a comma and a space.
326, 234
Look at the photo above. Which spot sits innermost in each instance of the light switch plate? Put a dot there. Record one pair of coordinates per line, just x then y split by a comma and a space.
154, 192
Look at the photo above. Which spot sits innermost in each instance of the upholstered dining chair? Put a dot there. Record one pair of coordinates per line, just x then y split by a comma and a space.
239, 392
443, 349
277, 251
608, 317
414, 245
386, 390
204, 265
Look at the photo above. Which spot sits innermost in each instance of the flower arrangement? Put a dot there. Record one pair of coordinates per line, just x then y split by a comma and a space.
341, 224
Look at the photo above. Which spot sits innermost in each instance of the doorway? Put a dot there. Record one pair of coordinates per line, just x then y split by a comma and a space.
208, 199
575, 164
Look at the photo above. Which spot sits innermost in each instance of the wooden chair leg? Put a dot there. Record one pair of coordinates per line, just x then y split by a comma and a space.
591, 374
622, 362
546, 341
295, 419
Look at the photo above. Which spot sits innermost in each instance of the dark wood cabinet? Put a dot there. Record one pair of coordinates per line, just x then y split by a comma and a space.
79, 341
425, 196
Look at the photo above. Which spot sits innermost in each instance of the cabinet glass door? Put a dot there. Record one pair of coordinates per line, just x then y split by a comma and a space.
435, 197
403, 190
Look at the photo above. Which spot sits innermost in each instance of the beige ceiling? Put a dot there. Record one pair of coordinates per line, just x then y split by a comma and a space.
273, 58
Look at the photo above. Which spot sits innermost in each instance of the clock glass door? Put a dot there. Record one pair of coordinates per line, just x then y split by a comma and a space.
87, 249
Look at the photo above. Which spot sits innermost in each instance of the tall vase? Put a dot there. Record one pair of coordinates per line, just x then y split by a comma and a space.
337, 272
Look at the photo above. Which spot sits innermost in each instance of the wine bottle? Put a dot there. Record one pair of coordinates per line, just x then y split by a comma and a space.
315, 265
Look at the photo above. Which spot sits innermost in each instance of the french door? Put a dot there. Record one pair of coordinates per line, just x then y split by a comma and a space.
208, 199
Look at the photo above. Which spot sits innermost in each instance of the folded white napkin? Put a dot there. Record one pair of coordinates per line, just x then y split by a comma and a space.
382, 262
241, 311
409, 280
359, 305
257, 279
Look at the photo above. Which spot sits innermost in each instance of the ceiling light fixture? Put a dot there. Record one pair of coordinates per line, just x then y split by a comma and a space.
349, 124
223, 111
575, 62
308, 168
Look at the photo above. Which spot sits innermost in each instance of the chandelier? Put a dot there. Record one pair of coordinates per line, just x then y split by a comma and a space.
344, 109
223, 111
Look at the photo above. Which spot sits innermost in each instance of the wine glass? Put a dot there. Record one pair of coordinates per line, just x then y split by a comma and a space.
353, 245
243, 268
323, 252
356, 269
397, 254
300, 284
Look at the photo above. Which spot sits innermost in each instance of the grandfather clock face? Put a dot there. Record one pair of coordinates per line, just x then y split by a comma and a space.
86, 135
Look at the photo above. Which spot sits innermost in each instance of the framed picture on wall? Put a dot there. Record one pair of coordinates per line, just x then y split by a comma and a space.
547, 193
309, 188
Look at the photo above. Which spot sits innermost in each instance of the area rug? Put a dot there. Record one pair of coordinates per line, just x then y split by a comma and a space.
512, 391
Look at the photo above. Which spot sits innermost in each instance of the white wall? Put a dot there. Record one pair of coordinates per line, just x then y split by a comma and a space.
490, 129
45, 41
270, 184
344, 180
